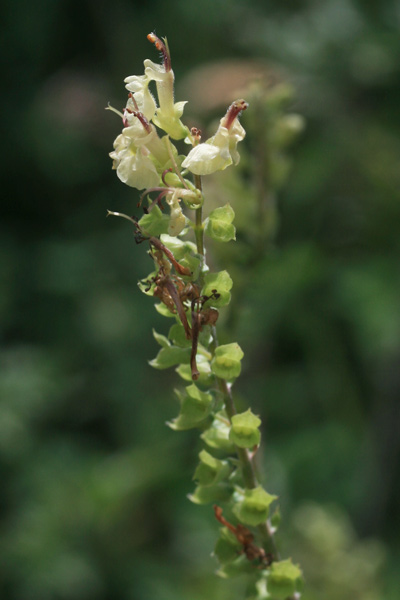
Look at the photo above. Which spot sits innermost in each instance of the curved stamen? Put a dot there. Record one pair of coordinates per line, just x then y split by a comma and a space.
142, 119
132, 97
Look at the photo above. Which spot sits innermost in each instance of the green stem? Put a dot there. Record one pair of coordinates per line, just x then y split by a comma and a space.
248, 471
199, 229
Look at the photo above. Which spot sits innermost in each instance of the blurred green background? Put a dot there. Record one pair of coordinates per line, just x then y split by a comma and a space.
94, 485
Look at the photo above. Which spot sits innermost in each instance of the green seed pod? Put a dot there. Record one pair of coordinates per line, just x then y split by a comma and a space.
240, 566
154, 223
221, 282
211, 470
177, 336
217, 435
221, 492
170, 356
227, 547
284, 579
195, 408
163, 310
203, 366
226, 361
244, 432
219, 224
253, 508
179, 248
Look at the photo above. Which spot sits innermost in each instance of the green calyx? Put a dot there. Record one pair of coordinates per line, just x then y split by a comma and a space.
196, 406
219, 226
210, 470
222, 283
244, 432
253, 507
284, 579
154, 222
226, 362
227, 547
217, 435
169, 355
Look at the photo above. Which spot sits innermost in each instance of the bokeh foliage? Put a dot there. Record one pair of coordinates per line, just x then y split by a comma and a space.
94, 484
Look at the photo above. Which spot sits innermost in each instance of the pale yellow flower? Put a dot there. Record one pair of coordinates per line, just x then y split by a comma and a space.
133, 165
219, 151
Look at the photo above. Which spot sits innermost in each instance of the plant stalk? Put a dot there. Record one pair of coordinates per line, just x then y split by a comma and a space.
199, 229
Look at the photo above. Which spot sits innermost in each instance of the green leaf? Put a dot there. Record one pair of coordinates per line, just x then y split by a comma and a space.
253, 508
154, 223
196, 406
284, 579
168, 357
244, 431
219, 226
221, 282
210, 470
217, 435
226, 362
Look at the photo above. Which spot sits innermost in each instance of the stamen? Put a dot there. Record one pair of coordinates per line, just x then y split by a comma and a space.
132, 97
196, 133
142, 119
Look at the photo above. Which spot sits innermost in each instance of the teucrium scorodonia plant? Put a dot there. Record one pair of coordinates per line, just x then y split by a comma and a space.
146, 158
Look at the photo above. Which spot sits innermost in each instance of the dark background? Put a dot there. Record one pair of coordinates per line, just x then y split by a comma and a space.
93, 502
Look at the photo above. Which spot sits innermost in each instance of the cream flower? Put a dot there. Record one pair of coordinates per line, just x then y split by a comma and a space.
133, 165
177, 221
219, 151
169, 113
138, 85
148, 137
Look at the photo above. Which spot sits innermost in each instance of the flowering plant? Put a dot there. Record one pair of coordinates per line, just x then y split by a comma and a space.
145, 158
